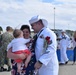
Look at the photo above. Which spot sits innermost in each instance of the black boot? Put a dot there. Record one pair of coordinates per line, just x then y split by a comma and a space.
66, 62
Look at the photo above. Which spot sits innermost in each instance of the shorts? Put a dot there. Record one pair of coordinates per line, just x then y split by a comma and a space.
20, 52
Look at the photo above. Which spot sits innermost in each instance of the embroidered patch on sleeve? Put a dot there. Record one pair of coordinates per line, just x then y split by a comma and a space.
42, 36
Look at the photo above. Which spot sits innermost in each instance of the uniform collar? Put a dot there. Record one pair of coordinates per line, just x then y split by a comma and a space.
40, 31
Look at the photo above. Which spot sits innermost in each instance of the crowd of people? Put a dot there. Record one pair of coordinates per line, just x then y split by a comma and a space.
5, 39
33, 56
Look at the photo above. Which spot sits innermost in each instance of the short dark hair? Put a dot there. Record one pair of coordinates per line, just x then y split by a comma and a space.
16, 33
25, 27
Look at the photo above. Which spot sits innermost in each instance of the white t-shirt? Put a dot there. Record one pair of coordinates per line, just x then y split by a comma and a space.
18, 44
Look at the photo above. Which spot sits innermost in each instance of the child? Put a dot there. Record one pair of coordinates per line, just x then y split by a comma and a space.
18, 45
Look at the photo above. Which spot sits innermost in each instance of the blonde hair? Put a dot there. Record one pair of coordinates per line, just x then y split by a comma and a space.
16, 33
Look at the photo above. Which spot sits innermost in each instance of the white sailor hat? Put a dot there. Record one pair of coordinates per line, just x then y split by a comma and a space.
63, 31
36, 19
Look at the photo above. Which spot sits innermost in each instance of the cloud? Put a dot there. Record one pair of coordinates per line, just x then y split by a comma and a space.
68, 1
18, 12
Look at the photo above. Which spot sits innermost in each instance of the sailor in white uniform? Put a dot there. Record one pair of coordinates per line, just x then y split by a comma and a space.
64, 43
45, 49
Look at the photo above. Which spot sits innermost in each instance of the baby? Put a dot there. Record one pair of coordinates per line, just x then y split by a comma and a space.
18, 45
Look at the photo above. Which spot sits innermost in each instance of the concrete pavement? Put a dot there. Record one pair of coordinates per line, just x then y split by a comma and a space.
68, 69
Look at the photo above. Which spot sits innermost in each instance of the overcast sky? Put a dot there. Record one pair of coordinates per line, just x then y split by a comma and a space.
18, 12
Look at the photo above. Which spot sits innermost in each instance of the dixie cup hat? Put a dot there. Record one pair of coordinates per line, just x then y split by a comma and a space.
63, 31
37, 18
